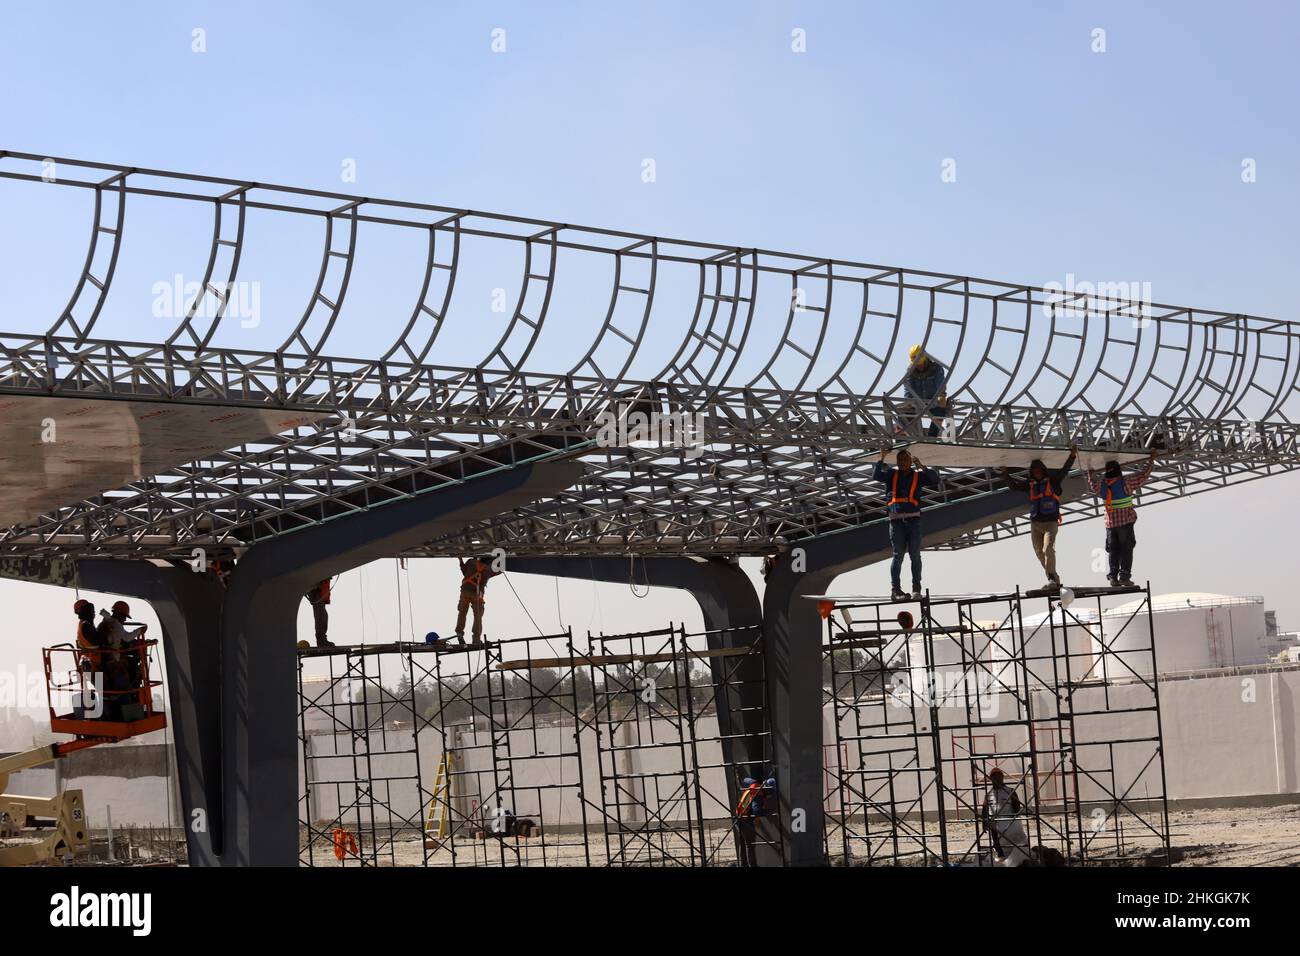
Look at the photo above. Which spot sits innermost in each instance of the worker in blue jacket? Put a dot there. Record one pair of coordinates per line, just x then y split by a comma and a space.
925, 388
904, 484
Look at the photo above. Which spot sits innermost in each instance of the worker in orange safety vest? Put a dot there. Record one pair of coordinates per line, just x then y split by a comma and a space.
475, 573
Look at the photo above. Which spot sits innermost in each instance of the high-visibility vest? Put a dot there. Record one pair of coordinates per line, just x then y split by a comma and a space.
88, 642
1044, 502
911, 494
1117, 496
745, 808
474, 579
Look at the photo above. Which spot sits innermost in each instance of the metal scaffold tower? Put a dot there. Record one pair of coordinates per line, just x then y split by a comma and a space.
535, 752
929, 714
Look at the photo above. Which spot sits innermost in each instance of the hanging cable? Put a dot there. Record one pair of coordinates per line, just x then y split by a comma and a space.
397, 576
540, 632
631, 576
559, 614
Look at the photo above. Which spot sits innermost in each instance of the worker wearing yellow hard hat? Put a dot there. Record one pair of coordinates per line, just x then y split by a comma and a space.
923, 387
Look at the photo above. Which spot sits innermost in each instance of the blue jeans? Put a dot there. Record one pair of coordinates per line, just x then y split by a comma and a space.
1120, 543
905, 536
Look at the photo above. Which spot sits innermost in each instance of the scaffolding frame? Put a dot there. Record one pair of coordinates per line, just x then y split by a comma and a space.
924, 710
541, 749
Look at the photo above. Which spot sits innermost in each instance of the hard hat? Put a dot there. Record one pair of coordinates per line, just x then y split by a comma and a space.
1067, 597
432, 638
915, 354
121, 607
996, 772
303, 645
81, 605
905, 620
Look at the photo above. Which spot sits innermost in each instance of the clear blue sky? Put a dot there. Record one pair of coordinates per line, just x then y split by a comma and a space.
1122, 165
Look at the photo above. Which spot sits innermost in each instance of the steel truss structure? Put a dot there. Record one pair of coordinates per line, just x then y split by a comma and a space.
790, 365
525, 752
924, 710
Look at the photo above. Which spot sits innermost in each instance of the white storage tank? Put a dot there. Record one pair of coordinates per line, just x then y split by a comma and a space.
1076, 632
1195, 631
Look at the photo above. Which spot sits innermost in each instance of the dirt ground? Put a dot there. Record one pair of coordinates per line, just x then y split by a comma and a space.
1237, 836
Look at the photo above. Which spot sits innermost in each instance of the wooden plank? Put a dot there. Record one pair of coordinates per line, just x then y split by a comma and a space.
604, 660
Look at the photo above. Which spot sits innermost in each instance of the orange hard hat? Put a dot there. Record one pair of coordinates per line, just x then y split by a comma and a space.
121, 607
80, 605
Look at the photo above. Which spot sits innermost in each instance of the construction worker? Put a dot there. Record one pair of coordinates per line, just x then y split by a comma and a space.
904, 484
999, 815
752, 803
923, 386
318, 596
1121, 515
122, 665
88, 642
1044, 488
475, 573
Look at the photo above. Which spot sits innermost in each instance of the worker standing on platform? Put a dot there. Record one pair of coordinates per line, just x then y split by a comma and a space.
475, 573
904, 484
318, 596
924, 387
92, 657
122, 666
1044, 488
1121, 514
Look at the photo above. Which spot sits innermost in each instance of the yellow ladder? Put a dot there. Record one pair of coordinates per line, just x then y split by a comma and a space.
437, 821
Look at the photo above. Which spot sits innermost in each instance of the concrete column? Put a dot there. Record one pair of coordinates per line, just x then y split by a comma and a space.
730, 606
792, 637
259, 663
232, 666
188, 605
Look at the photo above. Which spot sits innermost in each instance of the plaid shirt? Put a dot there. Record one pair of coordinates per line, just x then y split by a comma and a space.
1119, 517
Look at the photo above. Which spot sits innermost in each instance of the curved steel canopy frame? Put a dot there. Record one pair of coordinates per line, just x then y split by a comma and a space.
1110, 355
785, 460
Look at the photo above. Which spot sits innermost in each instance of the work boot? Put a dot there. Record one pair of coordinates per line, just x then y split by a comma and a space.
897, 594
324, 642
1126, 582
1114, 582
916, 594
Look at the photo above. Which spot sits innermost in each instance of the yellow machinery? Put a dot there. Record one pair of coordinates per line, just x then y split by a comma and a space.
37, 829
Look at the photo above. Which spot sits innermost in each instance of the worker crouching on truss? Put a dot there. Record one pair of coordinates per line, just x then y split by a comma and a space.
924, 390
